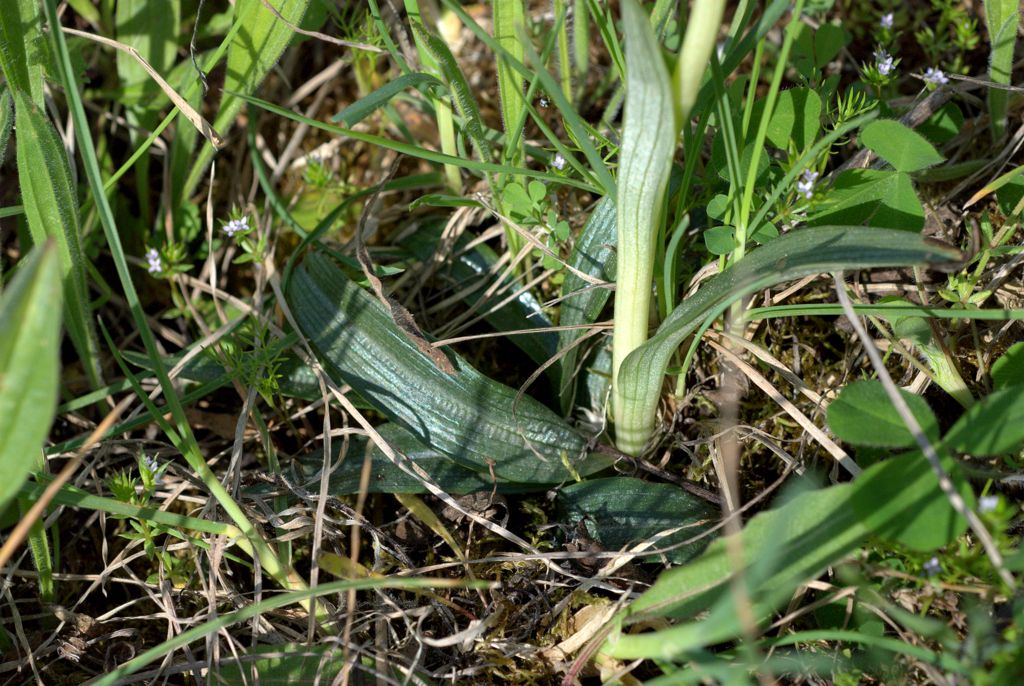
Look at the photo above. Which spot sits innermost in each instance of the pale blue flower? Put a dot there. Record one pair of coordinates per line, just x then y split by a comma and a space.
155, 264
886, 21
936, 76
988, 503
234, 226
932, 566
805, 186
884, 62
558, 162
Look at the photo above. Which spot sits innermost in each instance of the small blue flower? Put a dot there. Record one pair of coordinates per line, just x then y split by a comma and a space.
932, 566
886, 21
988, 503
240, 225
936, 76
884, 62
155, 264
805, 186
558, 162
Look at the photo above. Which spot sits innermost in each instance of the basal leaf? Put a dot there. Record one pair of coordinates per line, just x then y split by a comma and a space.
474, 420
902, 147
29, 365
864, 415
621, 511
1008, 370
798, 253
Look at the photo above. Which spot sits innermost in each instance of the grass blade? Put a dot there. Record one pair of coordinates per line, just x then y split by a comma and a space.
29, 365
794, 255
51, 209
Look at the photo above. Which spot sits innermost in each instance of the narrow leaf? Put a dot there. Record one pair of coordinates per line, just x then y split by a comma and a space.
364, 107
23, 47
29, 365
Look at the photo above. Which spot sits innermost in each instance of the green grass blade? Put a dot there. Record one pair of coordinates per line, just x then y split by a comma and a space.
39, 546
29, 365
474, 420
794, 255
364, 107
6, 121
645, 159
51, 209
256, 48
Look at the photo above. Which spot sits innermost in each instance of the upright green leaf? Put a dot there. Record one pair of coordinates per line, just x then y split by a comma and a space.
875, 197
509, 20
1002, 18
645, 159
6, 120
51, 208
902, 147
796, 254
29, 365
152, 29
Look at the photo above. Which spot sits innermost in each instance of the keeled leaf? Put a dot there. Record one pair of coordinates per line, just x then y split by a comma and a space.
473, 419
621, 511
902, 147
29, 365
992, 426
863, 414
872, 197
796, 254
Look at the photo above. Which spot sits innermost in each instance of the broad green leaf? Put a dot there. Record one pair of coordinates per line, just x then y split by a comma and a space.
884, 199
944, 125
256, 48
796, 254
992, 426
469, 272
23, 47
152, 29
1008, 370
797, 117
29, 365
902, 147
51, 209
645, 160
621, 511
863, 414
904, 503
782, 548
720, 240
465, 415
582, 302
364, 107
